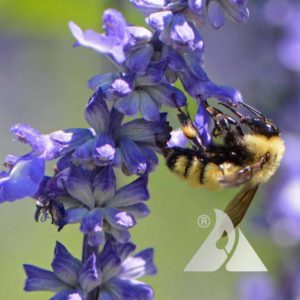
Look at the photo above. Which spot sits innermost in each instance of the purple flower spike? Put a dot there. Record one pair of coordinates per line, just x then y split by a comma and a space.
112, 43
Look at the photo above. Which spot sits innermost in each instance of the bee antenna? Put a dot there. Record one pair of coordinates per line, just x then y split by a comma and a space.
254, 110
229, 107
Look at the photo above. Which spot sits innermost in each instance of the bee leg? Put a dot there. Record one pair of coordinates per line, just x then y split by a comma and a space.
243, 119
222, 121
189, 129
254, 111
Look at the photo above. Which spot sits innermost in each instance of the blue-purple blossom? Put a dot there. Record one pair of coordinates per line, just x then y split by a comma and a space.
101, 208
119, 40
130, 145
113, 272
145, 94
27, 172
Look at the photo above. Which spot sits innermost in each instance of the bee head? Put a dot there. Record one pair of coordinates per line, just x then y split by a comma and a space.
262, 126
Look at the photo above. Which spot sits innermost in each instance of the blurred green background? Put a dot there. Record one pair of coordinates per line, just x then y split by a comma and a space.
43, 83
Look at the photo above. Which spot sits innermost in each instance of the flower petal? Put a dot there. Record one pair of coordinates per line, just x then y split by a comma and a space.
181, 31
129, 289
64, 141
42, 280
160, 20
90, 277
111, 43
134, 161
149, 6
139, 60
83, 155
104, 185
118, 218
120, 235
148, 107
198, 6
128, 105
124, 249
138, 211
105, 295
236, 10
92, 224
121, 87
65, 266
202, 122
80, 187
143, 131
69, 295
216, 16
104, 150
131, 193
28, 135
101, 80
178, 139
139, 35
74, 215
151, 157
110, 265
223, 93
167, 94
96, 112
139, 265
23, 180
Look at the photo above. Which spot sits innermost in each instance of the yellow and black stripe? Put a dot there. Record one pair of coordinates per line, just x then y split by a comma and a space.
186, 163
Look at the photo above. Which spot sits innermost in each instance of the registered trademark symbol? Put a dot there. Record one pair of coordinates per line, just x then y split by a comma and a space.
203, 221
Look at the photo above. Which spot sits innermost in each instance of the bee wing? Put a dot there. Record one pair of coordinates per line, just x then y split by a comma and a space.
243, 175
239, 205
238, 178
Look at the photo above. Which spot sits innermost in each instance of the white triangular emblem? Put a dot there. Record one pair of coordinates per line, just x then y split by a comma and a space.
237, 252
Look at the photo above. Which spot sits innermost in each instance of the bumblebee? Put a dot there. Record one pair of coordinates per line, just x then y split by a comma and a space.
250, 152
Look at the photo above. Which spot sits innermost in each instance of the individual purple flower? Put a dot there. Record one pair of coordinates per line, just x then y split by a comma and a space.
27, 172
118, 39
70, 279
112, 43
130, 145
113, 273
201, 85
101, 208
